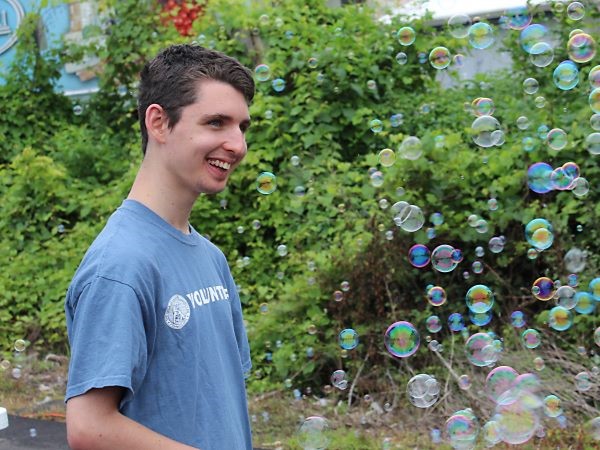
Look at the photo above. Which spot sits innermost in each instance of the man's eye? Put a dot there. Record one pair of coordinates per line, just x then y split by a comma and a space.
216, 123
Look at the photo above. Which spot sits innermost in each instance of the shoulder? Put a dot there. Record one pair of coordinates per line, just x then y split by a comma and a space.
120, 252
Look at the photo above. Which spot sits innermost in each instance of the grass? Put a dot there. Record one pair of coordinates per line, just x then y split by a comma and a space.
276, 416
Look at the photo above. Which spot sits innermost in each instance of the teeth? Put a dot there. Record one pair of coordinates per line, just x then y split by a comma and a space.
221, 164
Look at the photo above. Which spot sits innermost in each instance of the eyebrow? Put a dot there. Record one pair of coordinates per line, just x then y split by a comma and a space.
224, 117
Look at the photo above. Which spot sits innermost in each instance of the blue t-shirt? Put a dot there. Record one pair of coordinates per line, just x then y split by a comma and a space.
156, 311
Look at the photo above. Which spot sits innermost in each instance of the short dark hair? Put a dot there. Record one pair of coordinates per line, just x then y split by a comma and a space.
171, 80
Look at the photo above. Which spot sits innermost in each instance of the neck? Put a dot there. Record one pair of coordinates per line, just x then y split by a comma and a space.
155, 191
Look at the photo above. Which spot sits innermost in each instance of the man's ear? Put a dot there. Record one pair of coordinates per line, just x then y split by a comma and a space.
157, 123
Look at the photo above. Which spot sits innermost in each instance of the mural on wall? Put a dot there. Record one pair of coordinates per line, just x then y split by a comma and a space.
11, 14
84, 28
79, 22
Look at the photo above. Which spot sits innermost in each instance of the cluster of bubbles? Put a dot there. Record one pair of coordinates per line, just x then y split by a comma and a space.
542, 178
423, 390
519, 405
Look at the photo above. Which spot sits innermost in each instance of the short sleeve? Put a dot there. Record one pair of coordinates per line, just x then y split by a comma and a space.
107, 337
238, 323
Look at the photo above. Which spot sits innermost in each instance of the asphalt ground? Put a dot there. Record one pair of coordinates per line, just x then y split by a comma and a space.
33, 434
48, 435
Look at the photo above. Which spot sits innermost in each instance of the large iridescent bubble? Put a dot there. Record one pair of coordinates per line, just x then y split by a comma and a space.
560, 318
402, 339
481, 35
566, 75
442, 258
538, 177
531, 35
479, 298
499, 381
581, 48
480, 350
419, 256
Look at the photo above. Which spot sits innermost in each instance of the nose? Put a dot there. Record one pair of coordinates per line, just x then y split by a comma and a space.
236, 142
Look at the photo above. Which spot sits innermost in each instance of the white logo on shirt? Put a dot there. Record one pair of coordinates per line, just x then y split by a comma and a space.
177, 313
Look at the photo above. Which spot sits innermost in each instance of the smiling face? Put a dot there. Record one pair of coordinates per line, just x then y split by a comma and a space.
208, 142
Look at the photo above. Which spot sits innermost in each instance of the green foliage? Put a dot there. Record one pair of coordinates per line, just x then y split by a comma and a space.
74, 170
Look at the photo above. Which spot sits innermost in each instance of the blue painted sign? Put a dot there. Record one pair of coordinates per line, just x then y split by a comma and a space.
70, 22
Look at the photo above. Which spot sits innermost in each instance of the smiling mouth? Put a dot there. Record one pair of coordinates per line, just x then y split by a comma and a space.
224, 166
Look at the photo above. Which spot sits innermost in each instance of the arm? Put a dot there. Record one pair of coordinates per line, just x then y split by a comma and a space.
95, 423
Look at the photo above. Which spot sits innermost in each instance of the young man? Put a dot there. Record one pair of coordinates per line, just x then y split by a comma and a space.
158, 345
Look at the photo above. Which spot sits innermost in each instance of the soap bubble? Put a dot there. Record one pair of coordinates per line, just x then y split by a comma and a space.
481, 35
410, 219
499, 381
480, 350
518, 18
376, 125
522, 123
458, 25
266, 183
482, 130
77, 110
464, 382
594, 100
442, 258
539, 101
580, 187
575, 11
594, 77
314, 433
387, 157
585, 303
477, 267
278, 84
583, 382
401, 339
396, 120
419, 255
456, 322
594, 288
581, 48
530, 85
20, 345
543, 288
539, 233
556, 139
423, 390
565, 297
560, 319
575, 260
433, 324
592, 143
439, 58
436, 296
376, 178
401, 58
406, 36
262, 72
338, 379
348, 339
479, 298
531, 35
592, 428
462, 429
539, 177
517, 422
541, 54
411, 148
483, 106
566, 75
